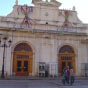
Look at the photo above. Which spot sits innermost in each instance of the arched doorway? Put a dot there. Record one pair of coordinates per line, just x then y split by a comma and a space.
22, 60
66, 58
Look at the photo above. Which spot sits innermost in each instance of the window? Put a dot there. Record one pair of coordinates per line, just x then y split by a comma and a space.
23, 46
67, 49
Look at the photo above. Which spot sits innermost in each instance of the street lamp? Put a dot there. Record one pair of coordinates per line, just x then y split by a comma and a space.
4, 45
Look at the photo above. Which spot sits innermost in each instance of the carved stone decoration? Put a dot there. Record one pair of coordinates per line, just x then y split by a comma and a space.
53, 0
56, 2
73, 8
34, 1
16, 2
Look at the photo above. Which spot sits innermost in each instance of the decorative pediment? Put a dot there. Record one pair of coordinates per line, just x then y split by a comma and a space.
36, 1
41, 2
56, 2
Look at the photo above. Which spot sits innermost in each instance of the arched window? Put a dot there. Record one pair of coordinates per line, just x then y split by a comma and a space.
24, 47
65, 49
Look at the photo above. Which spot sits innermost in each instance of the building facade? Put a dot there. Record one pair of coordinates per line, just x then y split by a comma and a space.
42, 35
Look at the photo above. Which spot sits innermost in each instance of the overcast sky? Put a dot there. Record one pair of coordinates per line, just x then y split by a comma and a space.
6, 7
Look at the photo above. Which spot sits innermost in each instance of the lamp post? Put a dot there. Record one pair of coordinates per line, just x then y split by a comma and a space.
4, 45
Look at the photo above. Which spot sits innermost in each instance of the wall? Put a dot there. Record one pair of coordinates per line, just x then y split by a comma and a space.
45, 49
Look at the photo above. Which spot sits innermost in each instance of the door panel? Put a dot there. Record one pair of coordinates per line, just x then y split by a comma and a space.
63, 65
69, 64
19, 66
25, 66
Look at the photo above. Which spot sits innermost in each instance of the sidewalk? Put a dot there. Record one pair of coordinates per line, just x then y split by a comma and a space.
81, 78
42, 78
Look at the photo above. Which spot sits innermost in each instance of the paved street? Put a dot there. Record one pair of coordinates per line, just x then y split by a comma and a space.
41, 84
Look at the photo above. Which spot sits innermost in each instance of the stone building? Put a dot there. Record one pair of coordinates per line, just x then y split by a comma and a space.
42, 35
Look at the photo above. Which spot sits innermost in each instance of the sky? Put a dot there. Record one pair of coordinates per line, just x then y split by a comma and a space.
6, 6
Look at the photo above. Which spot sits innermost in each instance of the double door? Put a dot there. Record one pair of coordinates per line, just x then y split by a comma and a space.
66, 60
66, 64
22, 67
22, 63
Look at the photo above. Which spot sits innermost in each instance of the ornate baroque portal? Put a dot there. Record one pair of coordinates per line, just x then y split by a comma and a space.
22, 60
66, 58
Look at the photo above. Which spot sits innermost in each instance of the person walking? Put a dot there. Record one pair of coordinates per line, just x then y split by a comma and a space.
66, 75
72, 76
